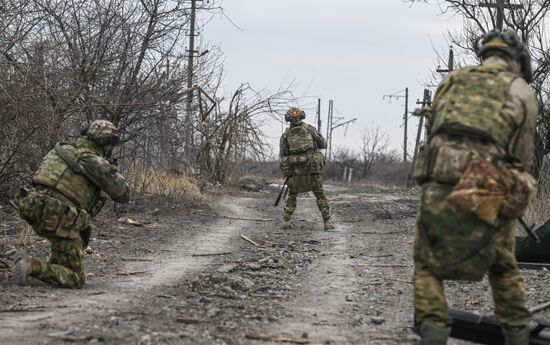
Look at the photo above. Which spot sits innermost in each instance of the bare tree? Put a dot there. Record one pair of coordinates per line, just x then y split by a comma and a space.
529, 23
373, 147
62, 62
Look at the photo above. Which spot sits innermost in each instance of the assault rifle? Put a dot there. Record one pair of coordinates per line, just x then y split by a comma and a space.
283, 190
486, 329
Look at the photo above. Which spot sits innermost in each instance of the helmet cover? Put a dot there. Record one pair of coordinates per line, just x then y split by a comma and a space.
509, 43
102, 132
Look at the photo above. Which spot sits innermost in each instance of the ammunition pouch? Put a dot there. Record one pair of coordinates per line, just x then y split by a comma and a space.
521, 188
298, 160
421, 169
311, 162
49, 216
285, 166
316, 162
298, 164
444, 164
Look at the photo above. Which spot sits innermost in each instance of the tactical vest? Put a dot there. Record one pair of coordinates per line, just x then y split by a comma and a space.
54, 172
472, 105
299, 139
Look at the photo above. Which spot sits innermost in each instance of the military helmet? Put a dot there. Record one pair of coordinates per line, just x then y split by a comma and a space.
295, 114
101, 132
510, 44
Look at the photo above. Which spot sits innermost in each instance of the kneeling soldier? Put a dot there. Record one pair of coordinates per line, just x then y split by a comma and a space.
65, 193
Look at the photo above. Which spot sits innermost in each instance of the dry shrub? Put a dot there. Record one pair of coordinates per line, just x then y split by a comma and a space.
159, 182
539, 210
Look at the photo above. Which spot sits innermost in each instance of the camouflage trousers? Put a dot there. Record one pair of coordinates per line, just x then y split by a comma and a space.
305, 183
504, 277
65, 267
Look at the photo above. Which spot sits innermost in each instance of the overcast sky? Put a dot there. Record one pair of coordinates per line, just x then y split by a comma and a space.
351, 51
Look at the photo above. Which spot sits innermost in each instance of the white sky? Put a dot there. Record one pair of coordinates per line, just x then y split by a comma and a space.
351, 51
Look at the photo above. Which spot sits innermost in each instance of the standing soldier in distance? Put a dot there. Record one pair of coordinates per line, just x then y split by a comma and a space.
65, 193
303, 164
473, 173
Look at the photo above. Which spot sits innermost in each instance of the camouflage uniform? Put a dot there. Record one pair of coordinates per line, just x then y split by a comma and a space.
493, 94
65, 193
303, 164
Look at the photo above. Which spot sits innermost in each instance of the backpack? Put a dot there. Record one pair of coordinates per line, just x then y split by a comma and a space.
299, 139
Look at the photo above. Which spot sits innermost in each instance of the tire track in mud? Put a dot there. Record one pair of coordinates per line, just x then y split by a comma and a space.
57, 318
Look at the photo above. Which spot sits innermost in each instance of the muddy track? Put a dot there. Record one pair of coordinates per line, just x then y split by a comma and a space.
229, 274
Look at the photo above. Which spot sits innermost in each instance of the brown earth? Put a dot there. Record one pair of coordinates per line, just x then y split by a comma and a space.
190, 276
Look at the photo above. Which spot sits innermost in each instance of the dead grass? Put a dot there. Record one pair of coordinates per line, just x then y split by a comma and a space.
173, 186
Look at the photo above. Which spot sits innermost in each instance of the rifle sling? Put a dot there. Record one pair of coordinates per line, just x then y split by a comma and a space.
67, 158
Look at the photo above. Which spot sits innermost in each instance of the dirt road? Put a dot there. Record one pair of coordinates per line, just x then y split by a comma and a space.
229, 275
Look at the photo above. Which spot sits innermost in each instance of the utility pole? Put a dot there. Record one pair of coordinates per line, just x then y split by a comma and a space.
450, 64
190, 61
332, 128
329, 125
398, 95
426, 102
405, 121
500, 6
319, 115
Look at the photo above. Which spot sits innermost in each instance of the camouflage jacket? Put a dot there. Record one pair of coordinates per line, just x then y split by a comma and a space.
83, 189
318, 140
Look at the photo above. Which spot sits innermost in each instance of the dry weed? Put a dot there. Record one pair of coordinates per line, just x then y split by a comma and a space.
174, 186
24, 238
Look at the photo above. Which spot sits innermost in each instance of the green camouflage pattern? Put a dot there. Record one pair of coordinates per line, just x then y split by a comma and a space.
82, 191
456, 244
299, 139
58, 207
484, 113
504, 277
305, 183
66, 267
304, 169
294, 161
51, 217
104, 133
471, 103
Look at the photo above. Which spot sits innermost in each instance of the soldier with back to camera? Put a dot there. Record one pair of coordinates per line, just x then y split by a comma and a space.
302, 163
473, 172
65, 193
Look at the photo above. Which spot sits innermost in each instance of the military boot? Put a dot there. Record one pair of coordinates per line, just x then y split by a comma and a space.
516, 337
21, 270
432, 334
328, 225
